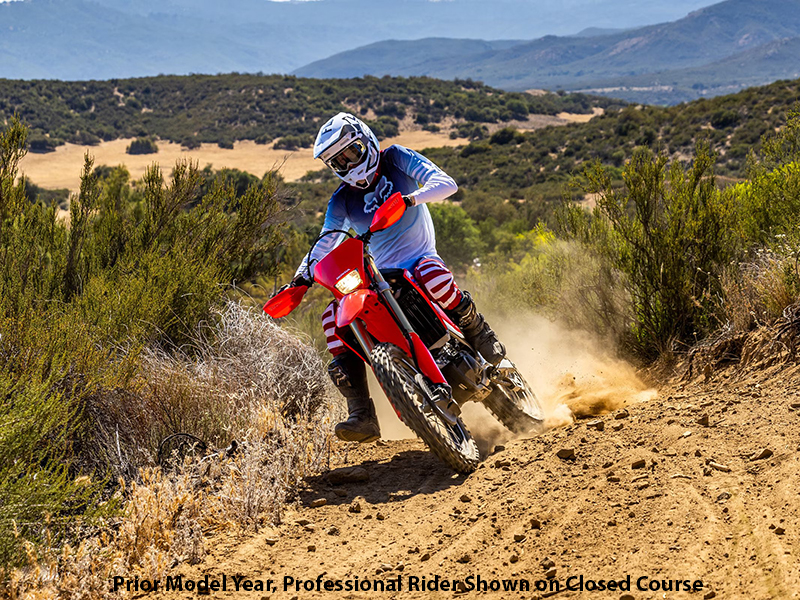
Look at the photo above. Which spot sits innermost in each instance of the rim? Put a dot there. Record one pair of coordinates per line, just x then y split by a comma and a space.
518, 390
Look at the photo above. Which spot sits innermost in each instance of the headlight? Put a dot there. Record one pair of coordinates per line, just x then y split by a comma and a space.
350, 282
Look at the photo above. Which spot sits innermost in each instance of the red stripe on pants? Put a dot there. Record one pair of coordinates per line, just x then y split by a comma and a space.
437, 280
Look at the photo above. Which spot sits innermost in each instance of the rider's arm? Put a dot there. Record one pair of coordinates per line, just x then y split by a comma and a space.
335, 218
436, 185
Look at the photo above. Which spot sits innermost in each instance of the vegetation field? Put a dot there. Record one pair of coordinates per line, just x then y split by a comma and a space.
61, 169
145, 409
222, 109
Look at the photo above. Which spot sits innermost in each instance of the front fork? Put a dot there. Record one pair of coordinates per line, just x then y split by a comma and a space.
433, 383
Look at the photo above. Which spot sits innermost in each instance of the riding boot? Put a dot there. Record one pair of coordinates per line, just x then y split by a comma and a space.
477, 330
349, 375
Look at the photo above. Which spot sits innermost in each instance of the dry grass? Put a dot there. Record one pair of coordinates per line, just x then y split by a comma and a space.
244, 379
759, 290
61, 169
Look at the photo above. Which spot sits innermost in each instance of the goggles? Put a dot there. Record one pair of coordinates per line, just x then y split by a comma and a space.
349, 157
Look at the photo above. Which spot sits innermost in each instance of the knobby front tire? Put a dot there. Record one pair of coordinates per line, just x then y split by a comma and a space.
453, 444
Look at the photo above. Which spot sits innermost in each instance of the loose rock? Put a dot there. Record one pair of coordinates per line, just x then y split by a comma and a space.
623, 414
465, 559
566, 454
536, 524
719, 467
761, 454
597, 424
465, 498
518, 537
355, 507
319, 502
550, 573
704, 421
617, 426
348, 475
639, 464
312, 548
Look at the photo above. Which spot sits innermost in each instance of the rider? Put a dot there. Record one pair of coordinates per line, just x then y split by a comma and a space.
348, 146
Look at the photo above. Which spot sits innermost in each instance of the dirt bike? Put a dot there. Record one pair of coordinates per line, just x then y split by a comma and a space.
420, 358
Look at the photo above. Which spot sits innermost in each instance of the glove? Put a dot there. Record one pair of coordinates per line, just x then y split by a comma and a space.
410, 201
297, 281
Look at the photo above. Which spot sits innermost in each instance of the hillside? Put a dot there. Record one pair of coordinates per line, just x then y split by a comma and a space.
760, 65
668, 489
104, 39
523, 175
221, 109
703, 37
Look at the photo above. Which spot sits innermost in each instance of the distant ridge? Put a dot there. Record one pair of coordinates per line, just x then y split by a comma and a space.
745, 29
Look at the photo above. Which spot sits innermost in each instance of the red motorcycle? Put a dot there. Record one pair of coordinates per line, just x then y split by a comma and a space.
419, 356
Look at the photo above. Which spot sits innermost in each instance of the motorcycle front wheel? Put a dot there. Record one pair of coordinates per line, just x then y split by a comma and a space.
451, 443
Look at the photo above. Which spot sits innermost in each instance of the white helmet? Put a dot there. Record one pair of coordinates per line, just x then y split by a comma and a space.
347, 145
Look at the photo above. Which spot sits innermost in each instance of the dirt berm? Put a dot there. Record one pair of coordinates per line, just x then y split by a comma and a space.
698, 484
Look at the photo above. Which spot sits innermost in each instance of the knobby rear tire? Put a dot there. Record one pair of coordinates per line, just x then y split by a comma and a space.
518, 410
453, 445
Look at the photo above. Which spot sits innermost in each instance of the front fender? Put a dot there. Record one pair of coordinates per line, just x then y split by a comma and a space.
352, 305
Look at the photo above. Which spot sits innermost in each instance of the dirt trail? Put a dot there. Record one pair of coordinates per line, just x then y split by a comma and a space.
698, 484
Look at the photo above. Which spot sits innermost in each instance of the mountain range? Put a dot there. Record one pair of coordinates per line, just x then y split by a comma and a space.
714, 50
106, 39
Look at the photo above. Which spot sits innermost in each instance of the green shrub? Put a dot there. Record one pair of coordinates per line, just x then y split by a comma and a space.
669, 232
135, 268
293, 142
458, 240
142, 146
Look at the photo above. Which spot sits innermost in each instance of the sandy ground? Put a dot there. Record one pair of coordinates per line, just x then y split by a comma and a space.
696, 484
576, 118
62, 168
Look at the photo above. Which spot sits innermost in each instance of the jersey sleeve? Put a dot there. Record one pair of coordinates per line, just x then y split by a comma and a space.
335, 218
435, 184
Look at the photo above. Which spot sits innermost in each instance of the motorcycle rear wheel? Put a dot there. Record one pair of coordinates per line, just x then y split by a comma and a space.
452, 444
513, 402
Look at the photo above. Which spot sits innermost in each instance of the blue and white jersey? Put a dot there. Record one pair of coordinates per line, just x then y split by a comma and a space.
412, 237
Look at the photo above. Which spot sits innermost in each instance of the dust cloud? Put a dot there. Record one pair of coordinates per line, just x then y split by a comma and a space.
573, 374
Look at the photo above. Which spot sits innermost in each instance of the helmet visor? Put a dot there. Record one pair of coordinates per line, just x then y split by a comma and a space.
351, 156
